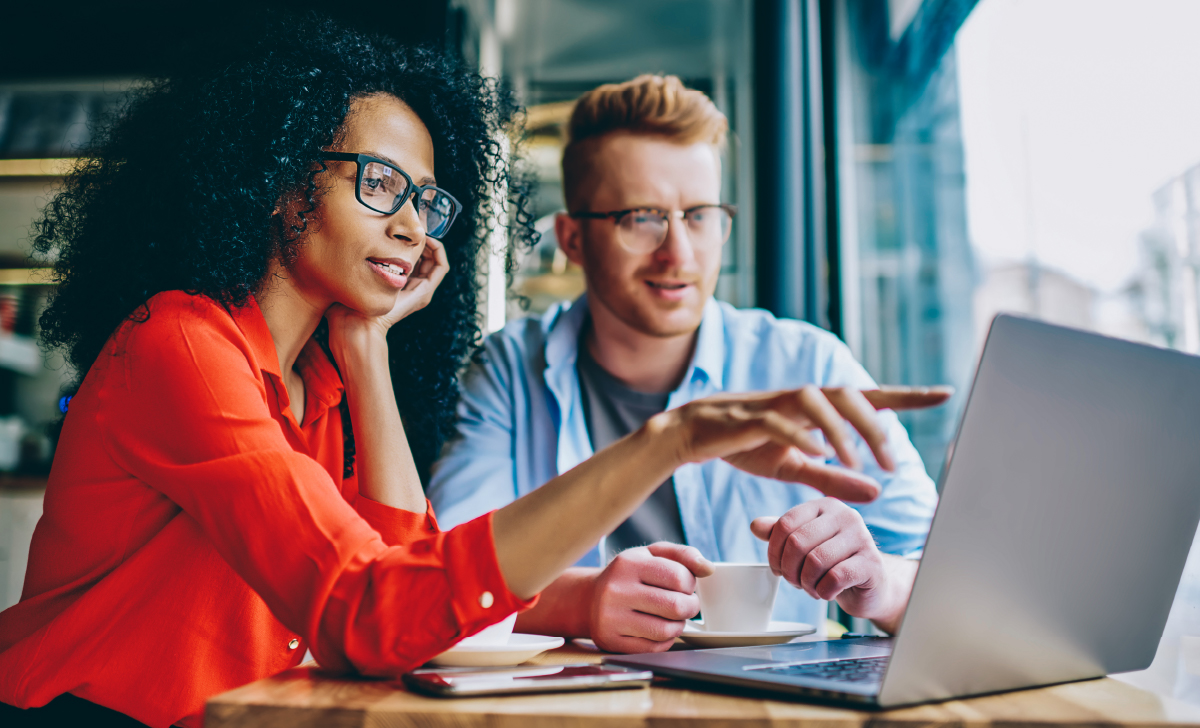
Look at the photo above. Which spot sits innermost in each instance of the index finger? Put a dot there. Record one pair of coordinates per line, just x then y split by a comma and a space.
666, 573
857, 410
689, 556
831, 480
902, 398
440, 264
817, 407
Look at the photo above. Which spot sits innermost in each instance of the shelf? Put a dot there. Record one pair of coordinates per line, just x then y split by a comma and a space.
26, 277
50, 167
21, 483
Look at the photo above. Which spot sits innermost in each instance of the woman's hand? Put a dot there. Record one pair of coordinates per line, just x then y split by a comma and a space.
422, 282
771, 434
346, 325
384, 462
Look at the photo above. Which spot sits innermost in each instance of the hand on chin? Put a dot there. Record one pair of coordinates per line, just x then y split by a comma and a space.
382, 312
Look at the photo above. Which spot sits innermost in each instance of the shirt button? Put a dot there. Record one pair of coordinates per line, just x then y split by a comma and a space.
293, 644
486, 600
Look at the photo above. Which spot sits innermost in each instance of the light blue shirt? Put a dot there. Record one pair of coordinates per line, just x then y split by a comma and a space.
521, 423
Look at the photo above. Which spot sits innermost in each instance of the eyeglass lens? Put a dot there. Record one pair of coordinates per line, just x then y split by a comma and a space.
436, 211
383, 189
645, 230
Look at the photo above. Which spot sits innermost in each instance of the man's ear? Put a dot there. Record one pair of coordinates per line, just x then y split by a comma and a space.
569, 232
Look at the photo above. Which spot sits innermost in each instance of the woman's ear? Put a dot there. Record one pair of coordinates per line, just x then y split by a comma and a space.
292, 212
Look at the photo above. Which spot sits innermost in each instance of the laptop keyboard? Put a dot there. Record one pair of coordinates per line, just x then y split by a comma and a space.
860, 670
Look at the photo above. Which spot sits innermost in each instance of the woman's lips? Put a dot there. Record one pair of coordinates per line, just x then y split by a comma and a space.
394, 271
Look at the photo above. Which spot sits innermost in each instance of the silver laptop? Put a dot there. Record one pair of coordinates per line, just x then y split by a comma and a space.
1068, 508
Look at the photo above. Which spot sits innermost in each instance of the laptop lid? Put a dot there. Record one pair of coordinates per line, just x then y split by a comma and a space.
1068, 507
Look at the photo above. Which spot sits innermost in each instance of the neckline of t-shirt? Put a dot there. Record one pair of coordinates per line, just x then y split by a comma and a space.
613, 387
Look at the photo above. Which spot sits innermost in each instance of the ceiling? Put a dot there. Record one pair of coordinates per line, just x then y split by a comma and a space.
554, 49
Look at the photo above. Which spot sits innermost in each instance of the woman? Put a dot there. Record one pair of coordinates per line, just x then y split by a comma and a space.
228, 491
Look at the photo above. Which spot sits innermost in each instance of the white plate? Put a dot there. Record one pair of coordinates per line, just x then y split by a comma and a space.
520, 647
776, 633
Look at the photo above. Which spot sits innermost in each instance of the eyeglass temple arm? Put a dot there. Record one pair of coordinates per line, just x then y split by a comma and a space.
599, 215
617, 214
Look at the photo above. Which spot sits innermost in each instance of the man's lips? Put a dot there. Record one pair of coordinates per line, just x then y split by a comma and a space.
667, 285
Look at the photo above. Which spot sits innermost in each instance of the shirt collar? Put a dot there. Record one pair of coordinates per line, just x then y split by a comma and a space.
709, 358
321, 379
564, 324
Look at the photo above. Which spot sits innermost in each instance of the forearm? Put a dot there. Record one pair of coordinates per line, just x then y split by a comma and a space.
386, 471
564, 608
541, 534
902, 573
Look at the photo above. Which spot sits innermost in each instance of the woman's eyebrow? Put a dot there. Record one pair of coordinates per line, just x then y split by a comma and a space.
427, 180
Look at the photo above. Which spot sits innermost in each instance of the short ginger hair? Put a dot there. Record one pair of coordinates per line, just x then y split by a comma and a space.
650, 104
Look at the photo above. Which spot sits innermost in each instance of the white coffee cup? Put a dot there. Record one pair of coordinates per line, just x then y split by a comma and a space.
738, 597
495, 635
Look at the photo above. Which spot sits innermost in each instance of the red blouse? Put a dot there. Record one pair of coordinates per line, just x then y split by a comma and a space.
196, 538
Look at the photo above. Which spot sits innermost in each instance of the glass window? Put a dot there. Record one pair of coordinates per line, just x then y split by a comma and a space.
908, 270
1031, 157
1038, 157
552, 51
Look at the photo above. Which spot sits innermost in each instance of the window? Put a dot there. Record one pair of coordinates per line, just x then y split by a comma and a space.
552, 51
1032, 156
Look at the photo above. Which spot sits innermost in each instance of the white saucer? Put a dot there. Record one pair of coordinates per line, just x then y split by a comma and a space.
776, 633
518, 649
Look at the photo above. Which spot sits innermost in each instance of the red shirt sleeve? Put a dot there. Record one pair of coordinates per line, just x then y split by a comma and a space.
190, 416
396, 525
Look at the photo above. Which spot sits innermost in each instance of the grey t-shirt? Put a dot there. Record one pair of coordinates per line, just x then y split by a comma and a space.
612, 411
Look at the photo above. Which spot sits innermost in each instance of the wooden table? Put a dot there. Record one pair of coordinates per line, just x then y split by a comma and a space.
302, 697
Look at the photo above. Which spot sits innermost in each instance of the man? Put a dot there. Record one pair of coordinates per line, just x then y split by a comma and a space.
642, 179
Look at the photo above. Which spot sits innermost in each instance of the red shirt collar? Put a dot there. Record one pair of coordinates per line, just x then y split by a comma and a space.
323, 385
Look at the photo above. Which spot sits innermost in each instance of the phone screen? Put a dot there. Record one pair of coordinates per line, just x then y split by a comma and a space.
534, 678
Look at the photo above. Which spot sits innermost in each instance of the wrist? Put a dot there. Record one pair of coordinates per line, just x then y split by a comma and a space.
359, 346
564, 608
899, 574
588, 597
663, 439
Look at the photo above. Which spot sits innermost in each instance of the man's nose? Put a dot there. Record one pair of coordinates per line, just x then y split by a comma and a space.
676, 247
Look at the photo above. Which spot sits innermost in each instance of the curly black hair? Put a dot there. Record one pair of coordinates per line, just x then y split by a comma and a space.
178, 193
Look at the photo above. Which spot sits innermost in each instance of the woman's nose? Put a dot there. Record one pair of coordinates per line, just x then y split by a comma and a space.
405, 224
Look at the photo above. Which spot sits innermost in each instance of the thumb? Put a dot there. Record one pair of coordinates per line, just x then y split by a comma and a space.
762, 527
689, 556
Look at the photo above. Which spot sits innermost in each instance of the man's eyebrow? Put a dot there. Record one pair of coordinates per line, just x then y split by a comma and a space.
423, 181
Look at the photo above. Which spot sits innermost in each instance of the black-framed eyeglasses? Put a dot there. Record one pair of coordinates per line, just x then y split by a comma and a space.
643, 229
383, 187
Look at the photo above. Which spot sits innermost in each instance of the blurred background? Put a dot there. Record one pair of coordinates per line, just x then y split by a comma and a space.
903, 170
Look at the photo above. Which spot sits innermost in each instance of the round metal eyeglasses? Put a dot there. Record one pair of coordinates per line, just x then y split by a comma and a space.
643, 229
383, 187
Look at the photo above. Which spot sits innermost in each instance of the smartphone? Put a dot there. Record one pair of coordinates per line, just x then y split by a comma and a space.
470, 681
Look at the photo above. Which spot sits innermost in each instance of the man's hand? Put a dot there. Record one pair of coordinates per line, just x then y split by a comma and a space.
643, 597
824, 548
